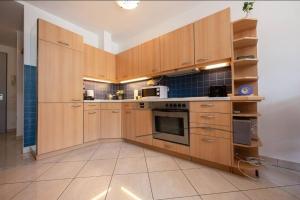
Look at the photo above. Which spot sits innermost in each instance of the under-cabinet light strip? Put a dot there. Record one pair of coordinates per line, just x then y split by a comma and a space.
135, 79
95, 80
219, 65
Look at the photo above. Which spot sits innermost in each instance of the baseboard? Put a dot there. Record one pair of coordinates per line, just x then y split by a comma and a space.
281, 163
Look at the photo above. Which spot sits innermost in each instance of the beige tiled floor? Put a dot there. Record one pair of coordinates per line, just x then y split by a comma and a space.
122, 171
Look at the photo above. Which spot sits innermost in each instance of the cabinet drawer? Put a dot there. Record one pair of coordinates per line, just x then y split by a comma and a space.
145, 139
128, 106
211, 149
210, 130
211, 118
182, 149
210, 106
110, 106
91, 106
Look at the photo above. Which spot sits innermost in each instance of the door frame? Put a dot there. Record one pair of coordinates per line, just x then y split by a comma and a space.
5, 91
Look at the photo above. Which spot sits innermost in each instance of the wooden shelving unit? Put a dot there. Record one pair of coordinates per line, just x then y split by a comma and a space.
244, 71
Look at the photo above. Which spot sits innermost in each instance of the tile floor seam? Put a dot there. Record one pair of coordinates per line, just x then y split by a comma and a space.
216, 193
228, 180
278, 187
180, 197
75, 175
148, 174
21, 190
189, 182
108, 187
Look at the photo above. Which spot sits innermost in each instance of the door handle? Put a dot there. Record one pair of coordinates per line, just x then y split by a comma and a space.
207, 105
77, 106
63, 43
92, 113
202, 59
208, 140
76, 99
115, 111
208, 116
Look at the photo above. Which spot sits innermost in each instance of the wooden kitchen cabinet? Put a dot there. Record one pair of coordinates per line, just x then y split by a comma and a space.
89, 61
128, 124
212, 149
150, 57
213, 38
110, 123
59, 73
53, 33
91, 125
60, 125
177, 48
143, 126
110, 63
101, 68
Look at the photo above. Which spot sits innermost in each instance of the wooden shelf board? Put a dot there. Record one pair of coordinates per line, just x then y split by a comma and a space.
246, 78
247, 98
244, 24
245, 114
245, 62
254, 144
244, 42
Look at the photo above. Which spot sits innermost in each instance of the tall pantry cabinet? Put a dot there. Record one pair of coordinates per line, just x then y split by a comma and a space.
60, 99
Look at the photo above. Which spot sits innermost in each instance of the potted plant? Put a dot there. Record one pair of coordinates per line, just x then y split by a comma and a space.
248, 6
120, 94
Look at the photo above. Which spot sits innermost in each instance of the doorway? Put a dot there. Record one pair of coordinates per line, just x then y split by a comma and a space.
3, 92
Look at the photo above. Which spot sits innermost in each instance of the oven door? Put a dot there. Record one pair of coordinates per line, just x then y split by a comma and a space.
171, 125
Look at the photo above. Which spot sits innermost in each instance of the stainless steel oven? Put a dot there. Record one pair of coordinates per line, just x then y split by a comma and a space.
171, 122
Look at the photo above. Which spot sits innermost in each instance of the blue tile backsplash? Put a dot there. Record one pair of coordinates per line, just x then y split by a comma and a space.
192, 85
30, 105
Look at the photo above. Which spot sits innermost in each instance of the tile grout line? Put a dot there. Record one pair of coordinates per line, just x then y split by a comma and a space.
148, 174
72, 179
113, 171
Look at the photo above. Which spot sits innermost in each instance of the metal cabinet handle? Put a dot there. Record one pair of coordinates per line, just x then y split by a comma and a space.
92, 113
207, 105
76, 99
208, 140
208, 116
92, 105
115, 111
63, 43
202, 59
76, 106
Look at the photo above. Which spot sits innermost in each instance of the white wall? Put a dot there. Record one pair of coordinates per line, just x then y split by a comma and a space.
11, 85
279, 72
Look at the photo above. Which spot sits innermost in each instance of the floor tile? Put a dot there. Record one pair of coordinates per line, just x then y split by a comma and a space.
98, 168
45, 190
208, 181
186, 164
28, 172
62, 171
7, 191
92, 188
132, 151
269, 194
170, 184
226, 196
161, 163
52, 159
280, 176
244, 183
187, 198
130, 165
294, 190
79, 155
152, 153
130, 187
106, 153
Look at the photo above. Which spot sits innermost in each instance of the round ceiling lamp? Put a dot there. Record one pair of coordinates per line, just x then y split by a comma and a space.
128, 5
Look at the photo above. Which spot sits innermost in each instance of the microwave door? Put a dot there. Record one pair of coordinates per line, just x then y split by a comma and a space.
150, 92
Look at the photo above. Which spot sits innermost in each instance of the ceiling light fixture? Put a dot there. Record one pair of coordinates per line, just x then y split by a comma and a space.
219, 65
128, 5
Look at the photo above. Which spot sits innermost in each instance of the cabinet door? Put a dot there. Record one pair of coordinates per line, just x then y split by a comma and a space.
110, 123
150, 57
122, 65
185, 38
168, 51
211, 148
143, 122
89, 61
91, 125
73, 124
128, 124
50, 127
213, 37
75, 74
110, 62
100, 64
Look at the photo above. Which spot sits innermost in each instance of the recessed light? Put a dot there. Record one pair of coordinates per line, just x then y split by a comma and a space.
128, 5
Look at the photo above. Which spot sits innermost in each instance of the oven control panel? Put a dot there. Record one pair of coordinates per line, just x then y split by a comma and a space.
171, 105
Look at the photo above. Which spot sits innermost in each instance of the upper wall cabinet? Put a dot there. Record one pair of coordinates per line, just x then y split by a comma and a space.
177, 48
90, 61
213, 37
128, 64
110, 63
150, 57
60, 36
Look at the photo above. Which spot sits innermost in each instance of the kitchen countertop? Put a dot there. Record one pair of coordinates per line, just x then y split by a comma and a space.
157, 100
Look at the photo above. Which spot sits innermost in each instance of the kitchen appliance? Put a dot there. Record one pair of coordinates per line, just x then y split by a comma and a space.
171, 121
89, 95
158, 91
218, 91
244, 130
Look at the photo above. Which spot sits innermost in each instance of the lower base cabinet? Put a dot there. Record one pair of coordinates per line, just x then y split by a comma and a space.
110, 123
60, 125
91, 125
212, 149
178, 148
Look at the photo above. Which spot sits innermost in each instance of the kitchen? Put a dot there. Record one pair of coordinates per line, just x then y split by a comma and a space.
173, 116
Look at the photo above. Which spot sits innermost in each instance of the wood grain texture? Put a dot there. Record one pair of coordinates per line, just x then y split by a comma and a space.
91, 125
111, 123
150, 57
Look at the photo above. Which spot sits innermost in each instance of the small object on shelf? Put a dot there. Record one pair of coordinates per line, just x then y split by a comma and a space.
236, 111
120, 94
245, 90
218, 91
247, 7
245, 57
244, 130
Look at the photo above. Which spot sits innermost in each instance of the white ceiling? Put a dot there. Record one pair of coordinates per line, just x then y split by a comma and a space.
97, 16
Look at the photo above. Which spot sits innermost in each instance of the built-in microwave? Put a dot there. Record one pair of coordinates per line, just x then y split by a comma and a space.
157, 91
